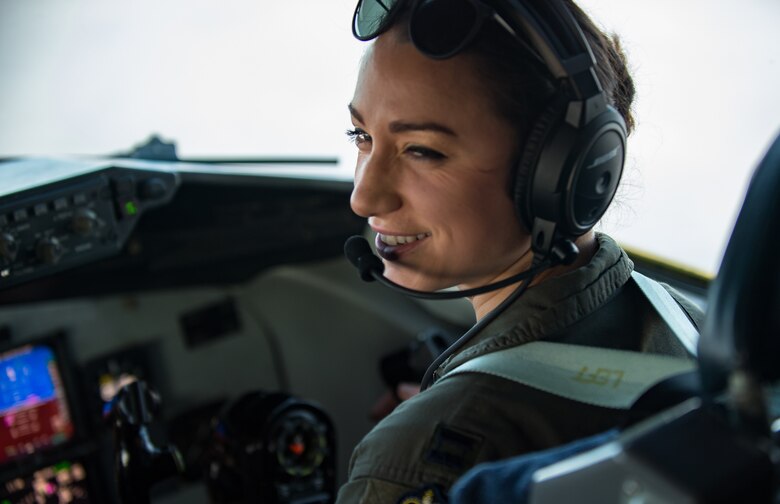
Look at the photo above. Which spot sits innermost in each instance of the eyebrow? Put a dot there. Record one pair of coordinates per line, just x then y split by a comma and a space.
402, 126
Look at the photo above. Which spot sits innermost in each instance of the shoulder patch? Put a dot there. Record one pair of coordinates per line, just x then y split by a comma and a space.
429, 494
454, 448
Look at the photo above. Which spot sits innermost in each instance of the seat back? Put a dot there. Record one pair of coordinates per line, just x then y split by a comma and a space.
742, 326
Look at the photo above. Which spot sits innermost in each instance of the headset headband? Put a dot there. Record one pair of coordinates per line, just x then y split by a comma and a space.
558, 39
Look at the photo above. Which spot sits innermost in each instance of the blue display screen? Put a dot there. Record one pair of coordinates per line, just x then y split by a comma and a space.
34, 412
26, 378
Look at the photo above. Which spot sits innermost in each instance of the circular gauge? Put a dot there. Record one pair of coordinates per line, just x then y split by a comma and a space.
300, 442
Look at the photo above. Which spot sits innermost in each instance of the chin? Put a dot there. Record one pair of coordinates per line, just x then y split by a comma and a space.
416, 280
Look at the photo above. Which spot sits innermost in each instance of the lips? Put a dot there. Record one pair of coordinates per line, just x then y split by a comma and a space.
390, 247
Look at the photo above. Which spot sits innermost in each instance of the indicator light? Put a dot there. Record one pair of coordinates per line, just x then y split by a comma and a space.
297, 448
130, 208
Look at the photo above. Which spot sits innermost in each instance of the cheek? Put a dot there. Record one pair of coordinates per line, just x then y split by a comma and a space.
474, 210
491, 224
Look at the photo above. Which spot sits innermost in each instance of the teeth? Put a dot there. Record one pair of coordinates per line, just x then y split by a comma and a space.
401, 240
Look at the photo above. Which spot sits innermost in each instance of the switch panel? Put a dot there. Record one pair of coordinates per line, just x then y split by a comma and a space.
53, 221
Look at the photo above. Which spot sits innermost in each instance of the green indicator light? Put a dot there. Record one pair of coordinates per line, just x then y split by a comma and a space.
130, 208
62, 466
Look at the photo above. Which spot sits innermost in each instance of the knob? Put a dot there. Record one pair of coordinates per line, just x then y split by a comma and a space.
49, 250
9, 247
84, 221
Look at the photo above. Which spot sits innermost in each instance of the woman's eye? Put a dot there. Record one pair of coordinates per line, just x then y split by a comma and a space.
358, 136
424, 153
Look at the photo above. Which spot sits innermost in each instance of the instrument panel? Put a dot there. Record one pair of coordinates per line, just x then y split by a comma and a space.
53, 226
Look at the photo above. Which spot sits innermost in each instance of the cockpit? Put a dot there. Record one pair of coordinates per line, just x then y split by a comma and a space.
178, 321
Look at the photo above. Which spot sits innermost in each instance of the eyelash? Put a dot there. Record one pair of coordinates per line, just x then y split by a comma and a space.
358, 136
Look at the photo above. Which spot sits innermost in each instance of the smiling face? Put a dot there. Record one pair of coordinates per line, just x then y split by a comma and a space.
433, 170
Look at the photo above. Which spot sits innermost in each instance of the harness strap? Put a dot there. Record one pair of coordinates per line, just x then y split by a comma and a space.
669, 310
597, 376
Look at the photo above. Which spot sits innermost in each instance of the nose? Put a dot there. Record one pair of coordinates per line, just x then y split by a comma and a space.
376, 190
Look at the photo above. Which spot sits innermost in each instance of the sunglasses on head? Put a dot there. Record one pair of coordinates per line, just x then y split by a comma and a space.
437, 28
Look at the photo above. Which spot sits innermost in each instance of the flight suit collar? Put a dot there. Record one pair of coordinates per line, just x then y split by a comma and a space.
549, 307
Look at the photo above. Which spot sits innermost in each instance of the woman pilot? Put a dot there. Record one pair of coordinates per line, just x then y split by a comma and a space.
489, 143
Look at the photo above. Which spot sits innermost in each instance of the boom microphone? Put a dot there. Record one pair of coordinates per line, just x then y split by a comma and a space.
371, 268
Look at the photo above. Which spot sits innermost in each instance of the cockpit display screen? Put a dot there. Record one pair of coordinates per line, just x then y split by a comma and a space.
34, 411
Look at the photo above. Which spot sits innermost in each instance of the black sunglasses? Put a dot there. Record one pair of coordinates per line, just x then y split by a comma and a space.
437, 28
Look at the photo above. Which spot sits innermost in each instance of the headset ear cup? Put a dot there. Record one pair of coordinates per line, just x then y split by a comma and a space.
525, 173
593, 181
567, 176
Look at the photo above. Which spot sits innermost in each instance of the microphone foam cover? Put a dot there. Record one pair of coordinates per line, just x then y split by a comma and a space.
360, 255
356, 247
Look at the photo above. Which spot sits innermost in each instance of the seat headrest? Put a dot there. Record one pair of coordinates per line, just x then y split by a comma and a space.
742, 326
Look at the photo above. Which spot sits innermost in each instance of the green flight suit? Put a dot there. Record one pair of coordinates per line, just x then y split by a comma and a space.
470, 418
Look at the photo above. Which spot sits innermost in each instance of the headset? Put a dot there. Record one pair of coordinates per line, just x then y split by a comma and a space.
575, 151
